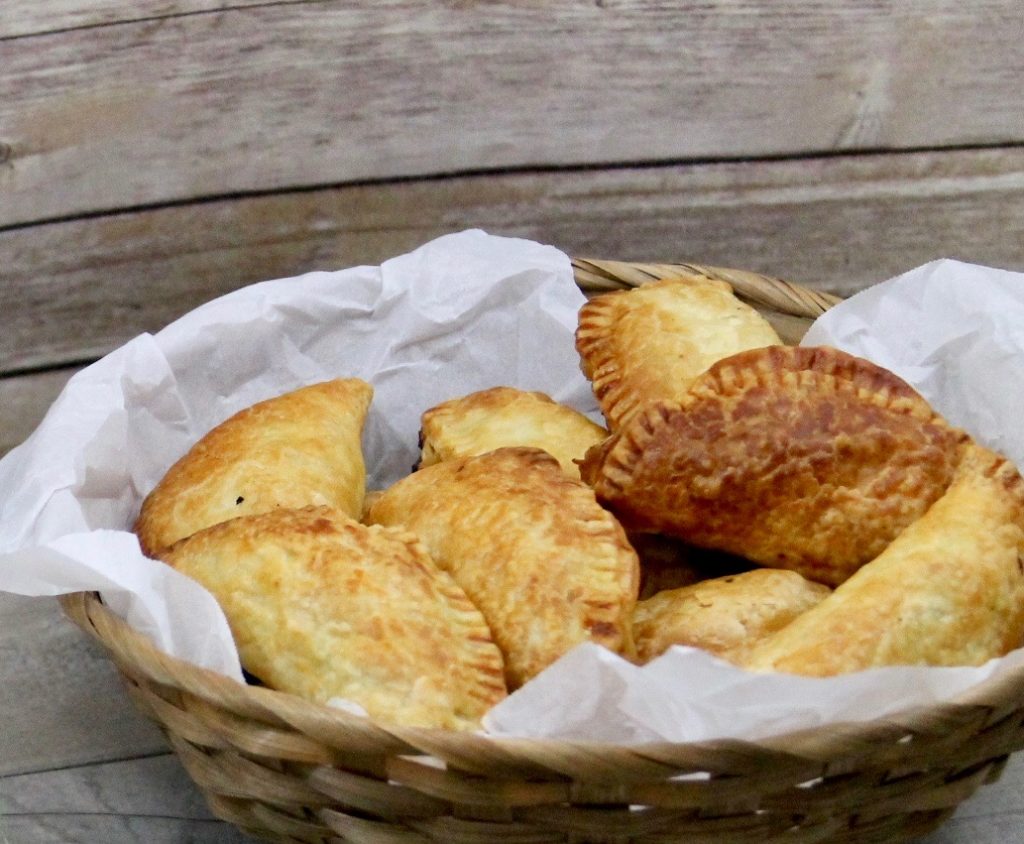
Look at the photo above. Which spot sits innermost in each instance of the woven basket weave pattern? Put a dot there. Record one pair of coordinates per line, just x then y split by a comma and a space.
286, 770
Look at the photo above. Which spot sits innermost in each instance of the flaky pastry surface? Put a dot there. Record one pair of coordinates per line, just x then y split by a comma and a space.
949, 590
502, 417
725, 616
548, 566
807, 459
301, 448
648, 344
323, 607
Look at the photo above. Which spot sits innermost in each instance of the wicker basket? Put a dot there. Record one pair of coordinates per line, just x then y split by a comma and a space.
284, 769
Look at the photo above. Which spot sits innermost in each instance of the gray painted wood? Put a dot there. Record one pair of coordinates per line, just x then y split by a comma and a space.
279, 96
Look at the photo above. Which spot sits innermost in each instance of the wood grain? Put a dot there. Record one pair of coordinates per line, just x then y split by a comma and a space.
62, 700
23, 402
838, 223
282, 96
38, 17
147, 800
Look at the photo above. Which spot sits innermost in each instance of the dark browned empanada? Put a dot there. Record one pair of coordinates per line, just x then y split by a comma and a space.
807, 459
547, 565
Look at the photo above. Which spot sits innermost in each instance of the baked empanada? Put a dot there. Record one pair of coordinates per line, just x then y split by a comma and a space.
647, 344
504, 416
323, 607
547, 565
949, 590
724, 615
301, 448
807, 459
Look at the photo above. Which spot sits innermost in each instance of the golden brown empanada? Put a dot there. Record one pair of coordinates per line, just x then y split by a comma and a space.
322, 606
647, 344
298, 449
548, 567
725, 615
504, 416
949, 590
807, 459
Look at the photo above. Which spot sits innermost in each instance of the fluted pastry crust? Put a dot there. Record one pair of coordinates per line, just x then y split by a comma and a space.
504, 417
324, 607
949, 590
649, 344
548, 567
725, 616
807, 459
301, 448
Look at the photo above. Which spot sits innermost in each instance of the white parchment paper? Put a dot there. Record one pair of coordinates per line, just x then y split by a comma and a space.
462, 313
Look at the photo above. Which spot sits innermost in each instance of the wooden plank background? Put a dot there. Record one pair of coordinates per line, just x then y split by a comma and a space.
157, 153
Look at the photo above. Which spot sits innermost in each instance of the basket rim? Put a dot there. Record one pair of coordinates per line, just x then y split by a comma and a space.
981, 705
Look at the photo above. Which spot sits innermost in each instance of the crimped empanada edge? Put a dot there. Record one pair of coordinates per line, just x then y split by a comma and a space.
482, 655
596, 346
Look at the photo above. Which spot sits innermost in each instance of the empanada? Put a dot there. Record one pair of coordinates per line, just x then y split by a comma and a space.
647, 344
298, 449
324, 607
504, 416
949, 590
725, 615
547, 565
807, 459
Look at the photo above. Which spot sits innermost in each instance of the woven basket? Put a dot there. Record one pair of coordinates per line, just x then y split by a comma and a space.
283, 769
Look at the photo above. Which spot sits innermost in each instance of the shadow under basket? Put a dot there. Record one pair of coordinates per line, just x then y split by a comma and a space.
283, 769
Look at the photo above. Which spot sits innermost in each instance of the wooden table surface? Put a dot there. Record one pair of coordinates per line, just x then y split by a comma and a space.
157, 153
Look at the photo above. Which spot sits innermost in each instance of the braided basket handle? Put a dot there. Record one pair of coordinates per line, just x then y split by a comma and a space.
789, 307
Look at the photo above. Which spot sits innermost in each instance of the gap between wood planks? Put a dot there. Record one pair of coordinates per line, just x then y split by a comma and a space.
96, 763
523, 170
235, 7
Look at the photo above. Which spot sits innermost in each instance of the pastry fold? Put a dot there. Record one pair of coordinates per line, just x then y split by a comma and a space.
547, 565
725, 616
648, 344
505, 417
301, 448
806, 459
949, 590
325, 607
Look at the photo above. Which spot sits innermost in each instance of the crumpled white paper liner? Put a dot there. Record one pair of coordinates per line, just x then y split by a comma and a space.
462, 313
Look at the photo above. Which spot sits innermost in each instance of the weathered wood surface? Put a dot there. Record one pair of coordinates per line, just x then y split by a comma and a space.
157, 153
61, 698
24, 401
148, 800
277, 96
41, 17
838, 223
